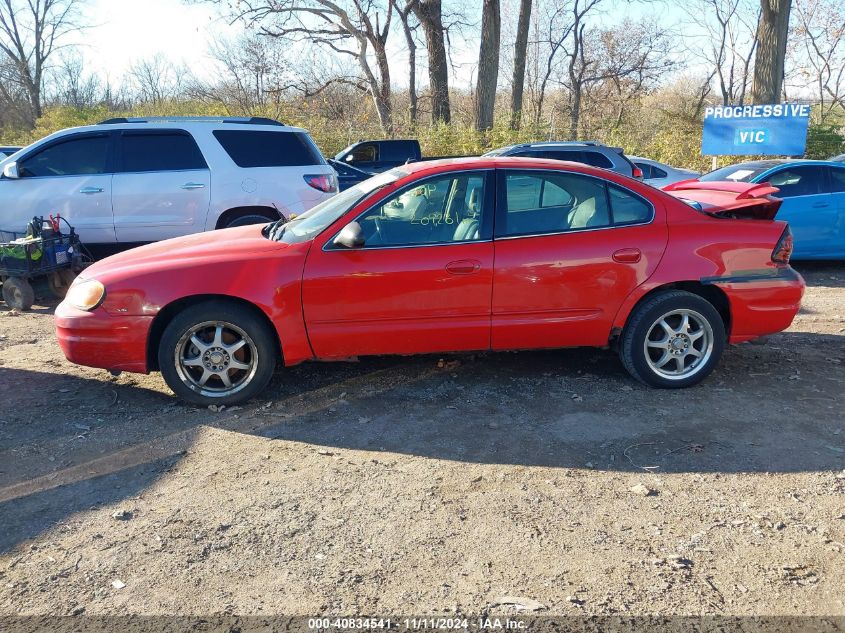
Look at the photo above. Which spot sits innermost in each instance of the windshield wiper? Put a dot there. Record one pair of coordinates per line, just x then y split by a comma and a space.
275, 230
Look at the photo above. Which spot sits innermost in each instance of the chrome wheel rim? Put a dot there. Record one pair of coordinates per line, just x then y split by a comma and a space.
678, 344
216, 358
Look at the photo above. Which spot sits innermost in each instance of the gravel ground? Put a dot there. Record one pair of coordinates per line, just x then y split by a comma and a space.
431, 485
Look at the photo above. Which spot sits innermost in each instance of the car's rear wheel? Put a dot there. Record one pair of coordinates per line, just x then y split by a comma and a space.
217, 352
673, 340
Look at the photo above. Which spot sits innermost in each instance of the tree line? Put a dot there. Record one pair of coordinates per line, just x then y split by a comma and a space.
538, 67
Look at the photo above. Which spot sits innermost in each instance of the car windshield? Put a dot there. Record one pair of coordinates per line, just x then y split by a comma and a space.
314, 221
744, 172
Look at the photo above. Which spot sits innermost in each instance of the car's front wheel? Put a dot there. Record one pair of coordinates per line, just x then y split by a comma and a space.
673, 340
217, 352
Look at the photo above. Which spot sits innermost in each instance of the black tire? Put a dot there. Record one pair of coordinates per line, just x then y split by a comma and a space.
693, 361
59, 282
249, 218
18, 293
183, 376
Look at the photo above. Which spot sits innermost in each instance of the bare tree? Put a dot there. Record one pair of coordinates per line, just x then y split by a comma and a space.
818, 49
430, 15
488, 65
404, 15
727, 42
32, 31
356, 28
772, 34
72, 86
519, 54
157, 79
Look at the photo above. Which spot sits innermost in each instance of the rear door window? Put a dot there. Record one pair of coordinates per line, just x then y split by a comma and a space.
159, 151
837, 180
75, 156
254, 148
552, 202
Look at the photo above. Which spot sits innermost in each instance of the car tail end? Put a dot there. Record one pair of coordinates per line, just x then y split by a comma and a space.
763, 290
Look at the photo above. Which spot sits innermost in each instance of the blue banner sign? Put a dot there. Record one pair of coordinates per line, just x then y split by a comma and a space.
770, 130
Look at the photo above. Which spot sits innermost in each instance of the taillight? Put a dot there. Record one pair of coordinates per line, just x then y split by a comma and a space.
638, 173
783, 249
323, 182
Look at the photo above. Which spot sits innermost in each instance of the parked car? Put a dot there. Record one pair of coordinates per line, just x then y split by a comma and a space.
347, 176
586, 152
813, 194
8, 150
447, 256
659, 174
840, 158
141, 180
377, 156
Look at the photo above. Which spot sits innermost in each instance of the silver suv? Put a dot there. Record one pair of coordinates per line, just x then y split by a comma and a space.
586, 152
128, 181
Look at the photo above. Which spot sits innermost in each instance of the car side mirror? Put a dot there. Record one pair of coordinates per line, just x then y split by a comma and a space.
350, 236
11, 171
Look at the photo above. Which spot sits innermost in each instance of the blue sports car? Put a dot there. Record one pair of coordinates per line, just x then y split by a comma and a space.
813, 193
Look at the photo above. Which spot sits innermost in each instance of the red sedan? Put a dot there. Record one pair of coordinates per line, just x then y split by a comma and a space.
448, 256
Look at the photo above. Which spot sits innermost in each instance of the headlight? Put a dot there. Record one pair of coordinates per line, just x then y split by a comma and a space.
86, 294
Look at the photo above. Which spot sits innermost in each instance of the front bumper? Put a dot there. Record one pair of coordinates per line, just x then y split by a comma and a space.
100, 339
761, 304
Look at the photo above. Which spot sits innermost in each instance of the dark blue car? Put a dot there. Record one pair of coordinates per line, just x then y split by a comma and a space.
813, 193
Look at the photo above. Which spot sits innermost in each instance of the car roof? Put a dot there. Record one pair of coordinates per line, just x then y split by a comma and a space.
188, 124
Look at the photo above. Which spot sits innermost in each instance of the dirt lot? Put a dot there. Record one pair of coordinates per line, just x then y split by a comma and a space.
410, 486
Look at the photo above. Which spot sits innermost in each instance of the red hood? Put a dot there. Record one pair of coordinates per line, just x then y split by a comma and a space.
213, 247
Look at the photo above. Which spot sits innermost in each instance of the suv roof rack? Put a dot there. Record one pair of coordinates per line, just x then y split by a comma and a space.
251, 120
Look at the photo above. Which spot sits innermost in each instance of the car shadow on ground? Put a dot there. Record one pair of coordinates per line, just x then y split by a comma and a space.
772, 408
830, 274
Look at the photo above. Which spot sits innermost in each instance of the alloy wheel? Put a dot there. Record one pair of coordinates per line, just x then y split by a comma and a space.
679, 344
216, 358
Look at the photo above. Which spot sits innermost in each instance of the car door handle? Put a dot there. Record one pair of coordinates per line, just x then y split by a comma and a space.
820, 205
89, 190
463, 267
193, 185
627, 255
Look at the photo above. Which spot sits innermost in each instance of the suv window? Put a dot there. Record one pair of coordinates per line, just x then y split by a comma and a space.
596, 159
268, 149
798, 181
553, 202
160, 151
586, 157
72, 157
651, 172
440, 210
